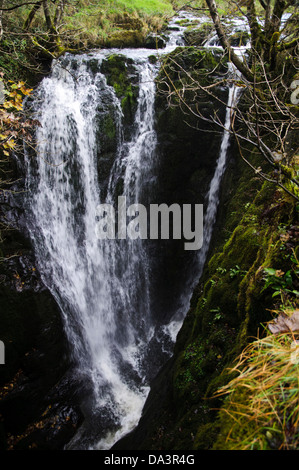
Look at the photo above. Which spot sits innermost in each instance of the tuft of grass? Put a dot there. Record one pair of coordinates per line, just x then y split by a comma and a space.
96, 22
261, 410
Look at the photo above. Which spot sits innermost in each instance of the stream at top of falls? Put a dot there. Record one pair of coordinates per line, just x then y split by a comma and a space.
103, 287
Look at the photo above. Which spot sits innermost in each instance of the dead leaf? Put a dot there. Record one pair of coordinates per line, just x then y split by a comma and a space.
284, 323
279, 273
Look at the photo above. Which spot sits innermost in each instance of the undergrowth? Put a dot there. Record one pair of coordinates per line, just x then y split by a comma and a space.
262, 408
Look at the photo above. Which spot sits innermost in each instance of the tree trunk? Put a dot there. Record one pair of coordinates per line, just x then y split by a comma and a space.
48, 18
254, 26
1, 16
278, 10
31, 15
239, 64
59, 13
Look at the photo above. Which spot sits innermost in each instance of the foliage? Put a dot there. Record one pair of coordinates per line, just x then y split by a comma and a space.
15, 62
15, 128
51, 28
13, 125
282, 283
264, 119
262, 408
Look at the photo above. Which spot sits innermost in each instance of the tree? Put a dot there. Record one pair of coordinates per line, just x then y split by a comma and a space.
51, 44
15, 128
265, 121
268, 118
266, 40
48, 38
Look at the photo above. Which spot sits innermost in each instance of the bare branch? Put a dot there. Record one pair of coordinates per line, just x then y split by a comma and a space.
18, 6
240, 65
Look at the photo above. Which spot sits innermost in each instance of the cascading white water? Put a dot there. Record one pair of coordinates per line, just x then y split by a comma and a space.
212, 202
213, 194
102, 286
105, 308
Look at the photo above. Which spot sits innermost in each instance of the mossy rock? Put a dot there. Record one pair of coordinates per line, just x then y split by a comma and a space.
120, 73
154, 41
240, 38
125, 38
128, 22
205, 436
198, 36
199, 62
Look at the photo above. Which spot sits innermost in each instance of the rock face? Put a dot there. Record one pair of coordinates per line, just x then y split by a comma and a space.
36, 358
37, 401
121, 74
227, 309
38, 407
187, 153
188, 148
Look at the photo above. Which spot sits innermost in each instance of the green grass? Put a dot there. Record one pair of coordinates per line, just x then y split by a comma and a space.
262, 410
94, 23
149, 7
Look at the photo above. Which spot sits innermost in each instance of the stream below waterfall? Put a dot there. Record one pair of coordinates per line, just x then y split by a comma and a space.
104, 287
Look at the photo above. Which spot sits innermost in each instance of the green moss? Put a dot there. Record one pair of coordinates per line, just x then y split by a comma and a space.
197, 61
109, 128
189, 369
205, 436
121, 39
228, 308
226, 424
121, 74
128, 102
114, 68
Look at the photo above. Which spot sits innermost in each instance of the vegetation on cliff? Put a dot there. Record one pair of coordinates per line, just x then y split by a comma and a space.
251, 276
227, 346
256, 232
32, 34
262, 407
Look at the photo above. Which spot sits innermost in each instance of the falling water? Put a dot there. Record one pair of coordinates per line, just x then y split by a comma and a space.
101, 286
105, 307
213, 194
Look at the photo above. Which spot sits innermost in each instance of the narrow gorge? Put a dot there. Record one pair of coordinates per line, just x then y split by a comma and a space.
123, 339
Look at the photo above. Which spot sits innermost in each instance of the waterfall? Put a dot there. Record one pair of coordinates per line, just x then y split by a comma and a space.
213, 194
101, 286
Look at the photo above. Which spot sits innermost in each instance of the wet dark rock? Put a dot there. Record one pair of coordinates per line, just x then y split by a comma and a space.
121, 73
187, 154
37, 355
198, 36
155, 41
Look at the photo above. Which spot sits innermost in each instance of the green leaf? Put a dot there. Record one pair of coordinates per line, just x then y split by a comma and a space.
270, 271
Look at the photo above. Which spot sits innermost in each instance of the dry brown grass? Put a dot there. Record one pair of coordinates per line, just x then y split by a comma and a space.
262, 407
